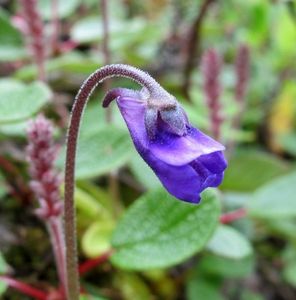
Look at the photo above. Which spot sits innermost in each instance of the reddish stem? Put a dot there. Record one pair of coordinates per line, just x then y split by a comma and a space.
55, 24
233, 216
194, 41
24, 288
94, 262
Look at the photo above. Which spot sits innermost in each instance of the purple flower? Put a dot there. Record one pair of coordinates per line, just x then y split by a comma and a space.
185, 160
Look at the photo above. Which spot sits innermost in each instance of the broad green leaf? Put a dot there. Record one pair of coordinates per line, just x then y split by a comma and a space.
64, 8
19, 101
230, 243
158, 231
101, 151
248, 170
14, 129
275, 199
201, 288
96, 240
11, 43
226, 267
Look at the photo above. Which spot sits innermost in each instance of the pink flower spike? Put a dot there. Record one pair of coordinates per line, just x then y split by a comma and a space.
211, 66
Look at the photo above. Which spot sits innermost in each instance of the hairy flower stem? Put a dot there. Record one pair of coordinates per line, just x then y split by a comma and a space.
119, 70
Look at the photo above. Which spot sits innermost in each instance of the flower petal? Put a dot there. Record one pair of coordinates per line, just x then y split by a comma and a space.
133, 111
181, 181
177, 151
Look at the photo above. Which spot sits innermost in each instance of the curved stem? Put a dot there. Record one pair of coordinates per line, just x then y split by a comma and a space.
81, 99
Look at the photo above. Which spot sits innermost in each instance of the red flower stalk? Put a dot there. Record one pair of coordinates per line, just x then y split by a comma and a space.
233, 216
242, 66
35, 32
211, 65
41, 154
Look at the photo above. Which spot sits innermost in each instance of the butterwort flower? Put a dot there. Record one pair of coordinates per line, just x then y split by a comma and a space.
184, 159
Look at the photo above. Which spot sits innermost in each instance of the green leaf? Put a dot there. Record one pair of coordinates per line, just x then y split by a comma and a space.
248, 170
275, 199
230, 243
200, 288
158, 231
101, 151
11, 42
64, 8
226, 267
96, 239
19, 101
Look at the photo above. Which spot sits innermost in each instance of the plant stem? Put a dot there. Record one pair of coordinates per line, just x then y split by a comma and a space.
55, 229
81, 100
24, 288
233, 216
211, 69
55, 24
193, 46
35, 28
94, 262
